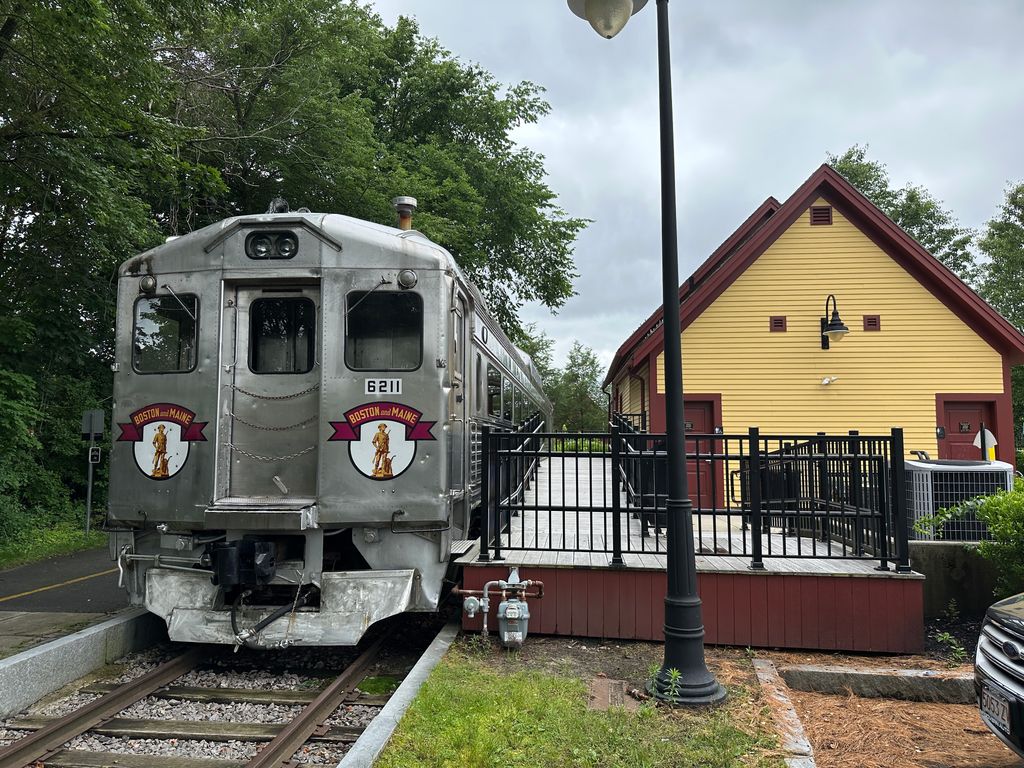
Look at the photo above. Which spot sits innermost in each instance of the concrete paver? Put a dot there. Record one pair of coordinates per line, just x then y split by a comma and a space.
22, 629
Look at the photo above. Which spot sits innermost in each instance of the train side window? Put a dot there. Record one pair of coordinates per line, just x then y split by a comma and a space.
493, 391
384, 331
165, 333
479, 383
506, 399
459, 319
282, 335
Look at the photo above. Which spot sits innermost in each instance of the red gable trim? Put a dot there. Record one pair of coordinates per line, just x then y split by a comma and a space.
897, 244
720, 255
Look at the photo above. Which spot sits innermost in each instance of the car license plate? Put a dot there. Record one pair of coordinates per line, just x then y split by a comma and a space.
997, 707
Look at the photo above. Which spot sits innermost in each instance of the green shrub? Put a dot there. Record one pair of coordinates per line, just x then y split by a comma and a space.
1003, 514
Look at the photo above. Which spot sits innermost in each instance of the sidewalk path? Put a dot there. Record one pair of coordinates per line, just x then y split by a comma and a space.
51, 597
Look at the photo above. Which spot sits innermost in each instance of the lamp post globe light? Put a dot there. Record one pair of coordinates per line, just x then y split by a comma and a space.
690, 681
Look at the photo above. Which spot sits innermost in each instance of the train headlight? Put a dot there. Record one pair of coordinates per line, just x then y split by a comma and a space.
287, 246
407, 279
261, 246
147, 284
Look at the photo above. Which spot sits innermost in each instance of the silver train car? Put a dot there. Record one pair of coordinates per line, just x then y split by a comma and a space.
299, 398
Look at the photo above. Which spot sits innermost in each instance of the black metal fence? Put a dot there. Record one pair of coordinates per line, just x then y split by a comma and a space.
754, 496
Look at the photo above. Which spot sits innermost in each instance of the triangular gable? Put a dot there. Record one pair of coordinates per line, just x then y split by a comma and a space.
887, 235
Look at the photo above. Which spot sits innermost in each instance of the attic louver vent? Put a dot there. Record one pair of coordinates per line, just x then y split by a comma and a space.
872, 322
777, 323
821, 215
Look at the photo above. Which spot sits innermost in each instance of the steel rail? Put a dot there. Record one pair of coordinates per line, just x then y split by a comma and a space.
278, 753
35, 747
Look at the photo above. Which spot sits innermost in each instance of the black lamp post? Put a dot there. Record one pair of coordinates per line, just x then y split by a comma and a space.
684, 677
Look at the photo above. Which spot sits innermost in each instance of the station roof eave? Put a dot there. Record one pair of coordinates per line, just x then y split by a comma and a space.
722, 269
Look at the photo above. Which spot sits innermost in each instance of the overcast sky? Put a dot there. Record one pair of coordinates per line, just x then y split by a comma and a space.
763, 90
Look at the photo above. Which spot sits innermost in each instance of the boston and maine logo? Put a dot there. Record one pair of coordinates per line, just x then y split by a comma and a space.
162, 433
387, 447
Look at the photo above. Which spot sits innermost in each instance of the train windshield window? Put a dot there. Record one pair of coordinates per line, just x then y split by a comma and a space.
384, 331
164, 340
282, 335
506, 400
493, 391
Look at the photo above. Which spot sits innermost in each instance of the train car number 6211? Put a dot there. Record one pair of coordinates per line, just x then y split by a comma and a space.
383, 387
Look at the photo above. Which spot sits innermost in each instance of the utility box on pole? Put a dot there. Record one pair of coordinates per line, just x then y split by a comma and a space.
93, 425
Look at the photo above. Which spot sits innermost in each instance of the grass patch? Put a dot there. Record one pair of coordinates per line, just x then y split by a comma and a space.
49, 542
379, 685
469, 715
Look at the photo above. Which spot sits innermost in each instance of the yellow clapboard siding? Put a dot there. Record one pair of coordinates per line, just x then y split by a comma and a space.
886, 378
634, 390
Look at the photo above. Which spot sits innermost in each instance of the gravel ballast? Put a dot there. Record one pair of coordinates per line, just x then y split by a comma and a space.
223, 750
236, 712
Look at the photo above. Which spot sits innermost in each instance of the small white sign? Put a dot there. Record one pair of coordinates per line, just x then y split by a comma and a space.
382, 387
990, 439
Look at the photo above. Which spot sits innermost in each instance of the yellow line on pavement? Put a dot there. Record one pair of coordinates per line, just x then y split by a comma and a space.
57, 586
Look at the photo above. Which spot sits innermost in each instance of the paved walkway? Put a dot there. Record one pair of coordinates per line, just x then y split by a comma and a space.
53, 597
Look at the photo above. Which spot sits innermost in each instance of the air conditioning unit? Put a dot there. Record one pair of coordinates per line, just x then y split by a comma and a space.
936, 484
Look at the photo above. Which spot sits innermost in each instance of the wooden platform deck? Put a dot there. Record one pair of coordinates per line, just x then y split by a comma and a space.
795, 602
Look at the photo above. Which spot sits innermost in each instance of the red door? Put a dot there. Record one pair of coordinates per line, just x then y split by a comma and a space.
962, 422
700, 420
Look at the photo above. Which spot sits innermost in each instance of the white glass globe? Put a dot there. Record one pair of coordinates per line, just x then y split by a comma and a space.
608, 17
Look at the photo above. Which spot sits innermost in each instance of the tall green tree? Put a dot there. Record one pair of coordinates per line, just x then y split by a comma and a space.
913, 208
579, 403
80, 136
320, 102
541, 349
1002, 279
125, 121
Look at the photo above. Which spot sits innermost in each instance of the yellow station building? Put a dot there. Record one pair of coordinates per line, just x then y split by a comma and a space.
923, 351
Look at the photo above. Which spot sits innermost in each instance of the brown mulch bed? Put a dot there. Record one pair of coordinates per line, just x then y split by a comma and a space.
851, 732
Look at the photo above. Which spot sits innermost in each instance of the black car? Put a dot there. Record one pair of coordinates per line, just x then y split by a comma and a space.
999, 672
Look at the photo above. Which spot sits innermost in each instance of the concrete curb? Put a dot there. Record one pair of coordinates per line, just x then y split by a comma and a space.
30, 675
906, 684
799, 753
371, 743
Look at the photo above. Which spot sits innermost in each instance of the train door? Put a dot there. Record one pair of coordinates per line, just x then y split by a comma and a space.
458, 399
272, 393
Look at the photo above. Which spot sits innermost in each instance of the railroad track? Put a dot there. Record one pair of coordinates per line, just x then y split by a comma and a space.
43, 745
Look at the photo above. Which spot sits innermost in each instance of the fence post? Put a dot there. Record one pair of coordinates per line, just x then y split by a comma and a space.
485, 493
856, 486
616, 500
517, 474
899, 502
754, 492
498, 444
824, 487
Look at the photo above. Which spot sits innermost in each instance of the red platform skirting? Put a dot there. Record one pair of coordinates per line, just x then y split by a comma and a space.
794, 610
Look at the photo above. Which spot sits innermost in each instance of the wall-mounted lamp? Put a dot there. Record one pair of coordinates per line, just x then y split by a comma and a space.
832, 330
